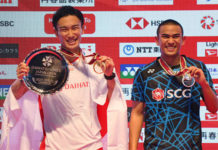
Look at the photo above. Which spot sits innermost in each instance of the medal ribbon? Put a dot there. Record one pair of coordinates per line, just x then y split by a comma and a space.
169, 71
94, 56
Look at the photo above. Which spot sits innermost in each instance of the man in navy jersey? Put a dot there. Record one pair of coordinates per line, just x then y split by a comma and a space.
166, 94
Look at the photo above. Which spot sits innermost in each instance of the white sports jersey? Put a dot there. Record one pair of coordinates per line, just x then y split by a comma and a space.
70, 116
22, 124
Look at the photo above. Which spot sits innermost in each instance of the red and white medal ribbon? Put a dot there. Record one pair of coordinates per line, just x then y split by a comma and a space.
89, 59
187, 80
169, 71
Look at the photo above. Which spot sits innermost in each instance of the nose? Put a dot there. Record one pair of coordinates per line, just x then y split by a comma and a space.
171, 41
70, 33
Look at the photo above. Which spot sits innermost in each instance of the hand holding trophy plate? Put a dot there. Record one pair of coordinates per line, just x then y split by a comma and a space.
48, 71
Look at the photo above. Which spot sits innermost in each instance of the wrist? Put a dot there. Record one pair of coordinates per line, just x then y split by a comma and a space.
111, 77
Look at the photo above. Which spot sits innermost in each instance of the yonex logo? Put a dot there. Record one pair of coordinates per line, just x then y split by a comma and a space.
129, 70
207, 22
128, 50
137, 23
151, 70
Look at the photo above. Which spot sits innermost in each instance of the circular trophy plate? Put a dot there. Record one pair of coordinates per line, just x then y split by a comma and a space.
48, 71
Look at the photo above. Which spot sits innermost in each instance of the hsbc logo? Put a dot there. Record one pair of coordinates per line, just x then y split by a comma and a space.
137, 23
89, 24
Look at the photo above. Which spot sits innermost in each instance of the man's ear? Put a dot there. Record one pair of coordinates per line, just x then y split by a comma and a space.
83, 27
55, 32
156, 40
183, 40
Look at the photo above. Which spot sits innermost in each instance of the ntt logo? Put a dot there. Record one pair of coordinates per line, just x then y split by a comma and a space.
128, 50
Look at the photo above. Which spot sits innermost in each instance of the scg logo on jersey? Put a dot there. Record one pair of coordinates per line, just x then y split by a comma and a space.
129, 70
89, 24
158, 94
179, 93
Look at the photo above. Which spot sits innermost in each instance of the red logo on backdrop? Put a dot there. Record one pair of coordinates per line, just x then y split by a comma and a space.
89, 24
211, 52
5, 1
137, 23
210, 116
207, 22
3, 73
158, 94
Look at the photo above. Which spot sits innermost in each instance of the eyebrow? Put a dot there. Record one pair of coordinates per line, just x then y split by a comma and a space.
165, 34
76, 25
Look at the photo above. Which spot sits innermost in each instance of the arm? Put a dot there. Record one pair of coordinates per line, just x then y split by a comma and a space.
135, 125
108, 68
18, 87
210, 97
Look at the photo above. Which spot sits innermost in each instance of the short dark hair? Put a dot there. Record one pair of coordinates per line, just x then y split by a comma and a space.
169, 22
66, 11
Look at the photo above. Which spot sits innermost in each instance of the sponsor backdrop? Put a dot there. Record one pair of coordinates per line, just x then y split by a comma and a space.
121, 29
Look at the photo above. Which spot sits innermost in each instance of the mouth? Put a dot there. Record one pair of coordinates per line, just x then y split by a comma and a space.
71, 41
170, 48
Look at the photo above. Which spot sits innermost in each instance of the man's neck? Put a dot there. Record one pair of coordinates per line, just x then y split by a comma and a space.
71, 55
172, 60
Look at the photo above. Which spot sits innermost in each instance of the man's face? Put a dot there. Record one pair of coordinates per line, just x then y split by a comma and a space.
170, 40
69, 32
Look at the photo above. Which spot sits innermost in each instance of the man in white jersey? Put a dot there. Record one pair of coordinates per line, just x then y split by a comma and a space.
69, 119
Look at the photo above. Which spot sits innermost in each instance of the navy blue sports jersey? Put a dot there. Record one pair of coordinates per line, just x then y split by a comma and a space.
172, 120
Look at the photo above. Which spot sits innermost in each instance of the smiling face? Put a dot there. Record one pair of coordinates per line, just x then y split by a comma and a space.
69, 31
170, 39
